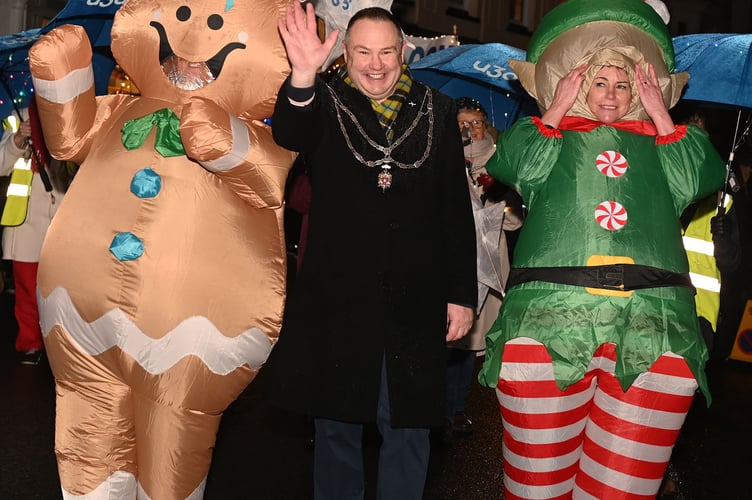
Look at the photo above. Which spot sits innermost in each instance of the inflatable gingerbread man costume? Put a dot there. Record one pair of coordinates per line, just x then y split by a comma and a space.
162, 279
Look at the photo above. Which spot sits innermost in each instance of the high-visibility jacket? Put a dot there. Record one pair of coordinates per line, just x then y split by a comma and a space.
19, 189
703, 270
19, 192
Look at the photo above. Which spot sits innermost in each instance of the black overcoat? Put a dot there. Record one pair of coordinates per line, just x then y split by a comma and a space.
380, 265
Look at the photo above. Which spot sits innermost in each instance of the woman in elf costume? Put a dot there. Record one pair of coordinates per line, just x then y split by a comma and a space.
596, 354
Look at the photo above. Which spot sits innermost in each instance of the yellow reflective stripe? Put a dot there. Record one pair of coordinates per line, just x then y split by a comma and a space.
22, 164
705, 282
727, 201
13, 123
19, 190
698, 245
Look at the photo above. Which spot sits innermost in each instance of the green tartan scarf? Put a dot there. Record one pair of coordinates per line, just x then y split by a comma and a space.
388, 109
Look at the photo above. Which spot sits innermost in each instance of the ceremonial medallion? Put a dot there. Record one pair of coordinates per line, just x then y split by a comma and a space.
385, 178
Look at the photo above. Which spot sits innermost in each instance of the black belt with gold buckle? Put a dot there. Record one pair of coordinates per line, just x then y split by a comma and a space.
621, 277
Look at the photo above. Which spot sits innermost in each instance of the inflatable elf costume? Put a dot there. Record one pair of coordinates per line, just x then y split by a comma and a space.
597, 352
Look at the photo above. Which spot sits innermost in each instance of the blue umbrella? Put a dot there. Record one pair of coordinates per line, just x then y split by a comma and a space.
15, 79
96, 18
719, 66
720, 73
479, 71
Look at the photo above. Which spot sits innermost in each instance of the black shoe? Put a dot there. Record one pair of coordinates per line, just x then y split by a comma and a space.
31, 357
462, 424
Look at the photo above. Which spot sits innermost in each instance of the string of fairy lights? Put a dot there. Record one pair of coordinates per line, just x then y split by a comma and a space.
18, 83
19, 92
20, 88
120, 82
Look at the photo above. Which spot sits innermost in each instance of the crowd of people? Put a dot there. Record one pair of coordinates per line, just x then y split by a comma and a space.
594, 330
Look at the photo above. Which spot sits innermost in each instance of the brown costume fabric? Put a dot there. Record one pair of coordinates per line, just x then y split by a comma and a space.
147, 353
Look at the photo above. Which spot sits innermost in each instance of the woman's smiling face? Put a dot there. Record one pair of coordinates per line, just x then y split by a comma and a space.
610, 94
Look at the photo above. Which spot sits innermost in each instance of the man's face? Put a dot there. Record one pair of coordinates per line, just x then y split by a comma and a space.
374, 54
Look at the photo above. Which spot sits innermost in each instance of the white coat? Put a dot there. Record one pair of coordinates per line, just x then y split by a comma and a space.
24, 243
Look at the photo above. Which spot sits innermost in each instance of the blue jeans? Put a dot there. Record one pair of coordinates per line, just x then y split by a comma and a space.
338, 457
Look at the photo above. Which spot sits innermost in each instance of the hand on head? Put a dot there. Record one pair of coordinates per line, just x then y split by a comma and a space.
648, 88
565, 96
651, 96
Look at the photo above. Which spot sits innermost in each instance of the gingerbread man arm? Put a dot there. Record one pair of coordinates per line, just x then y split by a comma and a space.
61, 67
240, 151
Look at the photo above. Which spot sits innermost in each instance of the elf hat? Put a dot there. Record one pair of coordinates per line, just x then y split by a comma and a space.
620, 33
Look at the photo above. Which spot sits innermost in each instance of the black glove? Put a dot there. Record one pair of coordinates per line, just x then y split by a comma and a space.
726, 245
719, 227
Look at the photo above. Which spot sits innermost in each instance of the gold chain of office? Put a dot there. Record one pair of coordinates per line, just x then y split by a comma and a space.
387, 162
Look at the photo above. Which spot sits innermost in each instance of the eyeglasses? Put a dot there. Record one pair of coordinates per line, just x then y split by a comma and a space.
473, 124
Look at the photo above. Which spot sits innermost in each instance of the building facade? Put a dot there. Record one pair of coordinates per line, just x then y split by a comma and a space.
26, 14
479, 21
513, 21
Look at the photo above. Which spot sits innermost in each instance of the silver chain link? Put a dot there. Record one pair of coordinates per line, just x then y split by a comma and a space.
387, 150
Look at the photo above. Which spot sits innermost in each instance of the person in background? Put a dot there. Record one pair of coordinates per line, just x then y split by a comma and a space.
736, 285
711, 239
389, 270
22, 244
479, 142
492, 219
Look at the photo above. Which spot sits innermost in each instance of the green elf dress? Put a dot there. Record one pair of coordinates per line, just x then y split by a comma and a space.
601, 195
595, 192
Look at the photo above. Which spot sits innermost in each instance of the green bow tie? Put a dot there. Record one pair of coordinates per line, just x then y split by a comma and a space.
167, 142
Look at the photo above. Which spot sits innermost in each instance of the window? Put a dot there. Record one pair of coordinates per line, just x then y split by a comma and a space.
459, 4
463, 8
522, 14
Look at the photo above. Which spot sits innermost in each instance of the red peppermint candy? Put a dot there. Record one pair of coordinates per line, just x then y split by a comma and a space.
611, 215
611, 163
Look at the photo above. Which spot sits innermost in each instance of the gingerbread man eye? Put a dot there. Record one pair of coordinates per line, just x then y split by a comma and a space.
183, 13
215, 21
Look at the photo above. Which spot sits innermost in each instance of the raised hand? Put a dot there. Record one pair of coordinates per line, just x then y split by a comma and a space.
651, 97
62, 50
305, 50
61, 65
565, 96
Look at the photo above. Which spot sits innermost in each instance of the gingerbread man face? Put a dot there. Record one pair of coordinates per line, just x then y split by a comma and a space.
176, 49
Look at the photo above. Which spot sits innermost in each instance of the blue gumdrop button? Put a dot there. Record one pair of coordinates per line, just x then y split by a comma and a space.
146, 183
127, 246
